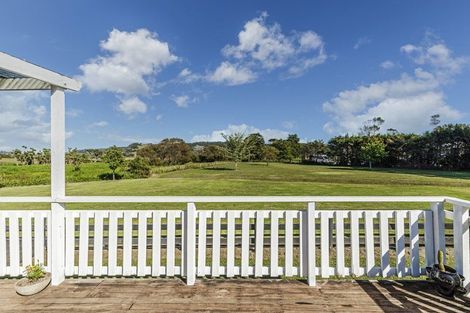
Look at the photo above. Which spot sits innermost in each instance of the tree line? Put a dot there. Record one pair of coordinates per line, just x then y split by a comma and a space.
445, 147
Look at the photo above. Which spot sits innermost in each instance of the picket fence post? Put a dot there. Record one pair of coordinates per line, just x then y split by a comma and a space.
439, 228
311, 264
190, 243
462, 242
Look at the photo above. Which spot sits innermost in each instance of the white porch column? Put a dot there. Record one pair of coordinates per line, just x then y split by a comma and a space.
57, 233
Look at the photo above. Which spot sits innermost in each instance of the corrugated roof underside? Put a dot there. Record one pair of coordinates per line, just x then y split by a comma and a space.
23, 84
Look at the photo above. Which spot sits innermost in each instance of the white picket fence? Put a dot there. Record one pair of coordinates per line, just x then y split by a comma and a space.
261, 243
24, 240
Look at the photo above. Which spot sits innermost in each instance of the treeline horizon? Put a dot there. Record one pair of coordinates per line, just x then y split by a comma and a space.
445, 147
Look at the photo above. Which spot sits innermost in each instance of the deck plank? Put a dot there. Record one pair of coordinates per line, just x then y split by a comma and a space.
230, 295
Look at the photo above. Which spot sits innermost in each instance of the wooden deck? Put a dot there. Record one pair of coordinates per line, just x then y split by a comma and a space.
241, 295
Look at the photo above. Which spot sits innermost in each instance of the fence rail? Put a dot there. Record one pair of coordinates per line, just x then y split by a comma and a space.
196, 243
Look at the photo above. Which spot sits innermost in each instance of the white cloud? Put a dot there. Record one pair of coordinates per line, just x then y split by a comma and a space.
24, 119
264, 47
185, 72
231, 74
158, 117
263, 43
99, 124
182, 101
132, 105
437, 56
127, 67
216, 135
186, 76
361, 42
405, 104
387, 65
310, 40
129, 59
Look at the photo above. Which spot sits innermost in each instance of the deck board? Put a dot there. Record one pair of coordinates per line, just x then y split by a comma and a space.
230, 295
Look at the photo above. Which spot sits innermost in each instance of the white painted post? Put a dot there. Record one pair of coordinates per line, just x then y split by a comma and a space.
339, 215
303, 244
259, 246
57, 232
429, 237
190, 243
311, 244
400, 242
439, 228
461, 243
324, 245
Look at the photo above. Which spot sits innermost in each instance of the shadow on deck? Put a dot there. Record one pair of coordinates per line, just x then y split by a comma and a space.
237, 295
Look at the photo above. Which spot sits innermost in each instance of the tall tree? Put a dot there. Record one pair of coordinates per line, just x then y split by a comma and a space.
114, 158
372, 127
149, 152
373, 150
254, 147
270, 154
236, 147
173, 151
282, 148
294, 147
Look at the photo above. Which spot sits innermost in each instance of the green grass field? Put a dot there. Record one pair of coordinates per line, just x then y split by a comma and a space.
256, 179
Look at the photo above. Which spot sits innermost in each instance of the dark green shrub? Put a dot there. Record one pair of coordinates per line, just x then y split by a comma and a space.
139, 168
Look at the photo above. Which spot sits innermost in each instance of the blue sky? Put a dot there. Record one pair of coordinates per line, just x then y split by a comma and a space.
194, 69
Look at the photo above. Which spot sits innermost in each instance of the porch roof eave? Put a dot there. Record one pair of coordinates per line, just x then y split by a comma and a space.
17, 74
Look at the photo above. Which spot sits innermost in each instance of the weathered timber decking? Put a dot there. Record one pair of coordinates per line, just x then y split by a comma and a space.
241, 295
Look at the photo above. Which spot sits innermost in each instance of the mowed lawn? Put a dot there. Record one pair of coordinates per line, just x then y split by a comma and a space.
258, 179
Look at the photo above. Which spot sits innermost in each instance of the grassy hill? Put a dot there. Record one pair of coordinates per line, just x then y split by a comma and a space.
258, 179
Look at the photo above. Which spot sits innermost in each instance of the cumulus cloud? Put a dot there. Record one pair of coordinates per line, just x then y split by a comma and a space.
405, 104
132, 106
127, 66
264, 47
129, 58
25, 119
437, 56
216, 135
